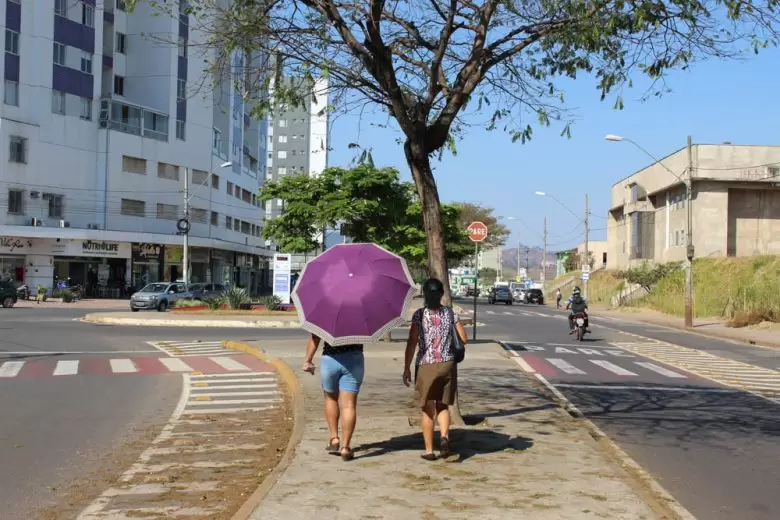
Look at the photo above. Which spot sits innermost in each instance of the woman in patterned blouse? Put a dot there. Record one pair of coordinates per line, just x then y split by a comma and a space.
436, 376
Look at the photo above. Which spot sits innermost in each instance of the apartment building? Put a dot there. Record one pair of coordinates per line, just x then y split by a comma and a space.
735, 206
105, 117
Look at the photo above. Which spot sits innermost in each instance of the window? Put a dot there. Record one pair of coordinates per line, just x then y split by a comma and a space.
11, 93
282, 123
121, 42
281, 170
282, 138
180, 126
246, 196
86, 109
11, 41
86, 64
199, 177
236, 225
214, 218
61, 8
59, 54
199, 216
120, 4
58, 102
15, 198
87, 15
228, 222
133, 208
181, 89
182, 47
168, 171
55, 206
237, 192
133, 165
282, 154
245, 227
217, 144
229, 188
254, 200
119, 85
293, 152
215, 181
253, 230
167, 211
17, 151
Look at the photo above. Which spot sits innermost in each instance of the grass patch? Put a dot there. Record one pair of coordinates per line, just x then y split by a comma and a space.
237, 312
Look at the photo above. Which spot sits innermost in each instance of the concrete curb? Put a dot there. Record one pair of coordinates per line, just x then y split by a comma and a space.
152, 322
293, 386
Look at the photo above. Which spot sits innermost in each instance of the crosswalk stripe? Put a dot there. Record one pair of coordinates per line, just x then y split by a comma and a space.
11, 368
123, 366
659, 369
230, 364
67, 367
565, 366
606, 365
175, 365
507, 313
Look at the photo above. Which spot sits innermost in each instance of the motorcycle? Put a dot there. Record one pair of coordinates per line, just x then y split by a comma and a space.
23, 293
579, 325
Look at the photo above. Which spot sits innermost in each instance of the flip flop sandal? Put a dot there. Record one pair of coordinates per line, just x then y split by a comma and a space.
445, 448
347, 454
333, 448
430, 457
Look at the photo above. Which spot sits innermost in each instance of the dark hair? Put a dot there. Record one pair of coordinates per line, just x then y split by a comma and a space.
433, 291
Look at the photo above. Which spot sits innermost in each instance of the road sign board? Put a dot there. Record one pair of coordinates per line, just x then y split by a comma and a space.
585, 268
478, 231
586, 275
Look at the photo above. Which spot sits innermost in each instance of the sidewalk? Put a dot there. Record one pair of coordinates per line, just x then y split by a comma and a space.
172, 319
765, 334
527, 459
55, 303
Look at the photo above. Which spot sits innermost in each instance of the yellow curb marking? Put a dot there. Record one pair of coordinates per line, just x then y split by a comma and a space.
203, 398
200, 384
196, 373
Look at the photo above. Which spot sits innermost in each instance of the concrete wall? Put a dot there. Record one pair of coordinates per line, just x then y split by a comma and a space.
753, 222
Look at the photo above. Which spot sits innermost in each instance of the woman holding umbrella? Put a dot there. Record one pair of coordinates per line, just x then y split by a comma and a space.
436, 376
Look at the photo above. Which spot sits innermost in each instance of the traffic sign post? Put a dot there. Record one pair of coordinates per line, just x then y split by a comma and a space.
478, 232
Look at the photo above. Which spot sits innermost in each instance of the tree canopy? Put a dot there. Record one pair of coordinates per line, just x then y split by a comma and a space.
470, 212
430, 64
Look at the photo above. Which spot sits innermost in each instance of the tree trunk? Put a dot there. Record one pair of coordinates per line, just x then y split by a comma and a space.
420, 164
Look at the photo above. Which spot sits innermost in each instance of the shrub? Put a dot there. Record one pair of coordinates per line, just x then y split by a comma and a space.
212, 303
234, 297
67, 295
184, 304
272, 302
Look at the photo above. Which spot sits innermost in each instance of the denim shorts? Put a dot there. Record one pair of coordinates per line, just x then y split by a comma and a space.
342, 372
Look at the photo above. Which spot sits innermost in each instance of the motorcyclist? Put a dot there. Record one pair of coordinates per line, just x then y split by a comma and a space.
577, 304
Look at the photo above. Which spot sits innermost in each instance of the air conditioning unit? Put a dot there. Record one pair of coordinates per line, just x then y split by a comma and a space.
35, 194
64, 224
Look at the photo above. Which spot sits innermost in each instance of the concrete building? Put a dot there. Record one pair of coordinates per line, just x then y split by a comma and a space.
736, 206
103, 114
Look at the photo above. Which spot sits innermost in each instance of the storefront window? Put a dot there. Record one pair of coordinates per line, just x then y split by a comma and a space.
12, 268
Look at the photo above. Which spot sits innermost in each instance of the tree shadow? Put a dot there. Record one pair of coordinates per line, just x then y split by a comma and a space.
465, 444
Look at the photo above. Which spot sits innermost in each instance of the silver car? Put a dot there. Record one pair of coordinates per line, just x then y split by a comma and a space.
158, 296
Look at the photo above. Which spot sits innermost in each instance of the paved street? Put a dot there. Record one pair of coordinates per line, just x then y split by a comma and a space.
701, 415
75, 397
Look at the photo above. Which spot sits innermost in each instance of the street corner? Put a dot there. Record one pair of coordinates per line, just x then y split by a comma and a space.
168, 319
221, 447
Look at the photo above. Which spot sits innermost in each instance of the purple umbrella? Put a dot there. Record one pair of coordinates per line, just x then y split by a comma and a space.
353, 293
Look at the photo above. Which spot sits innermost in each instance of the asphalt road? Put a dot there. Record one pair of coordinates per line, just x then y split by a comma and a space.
57, 429
711, 444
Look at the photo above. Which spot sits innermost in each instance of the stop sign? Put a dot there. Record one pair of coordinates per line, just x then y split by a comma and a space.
478, 231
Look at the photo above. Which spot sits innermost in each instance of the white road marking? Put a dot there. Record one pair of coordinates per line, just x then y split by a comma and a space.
231, 394
524, 365
565, 366
72, 352
507, 313
606, 365
152, 489
11, 368
650, 388
67, 367
231, 387
175, 365
220, 402
228, 410
123, 366
230, 364
156, 452
659, 369
490, 312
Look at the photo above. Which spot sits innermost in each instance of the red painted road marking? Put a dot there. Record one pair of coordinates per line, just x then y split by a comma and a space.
539, 365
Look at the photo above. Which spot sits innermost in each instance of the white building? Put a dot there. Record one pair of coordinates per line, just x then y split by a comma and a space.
95, 146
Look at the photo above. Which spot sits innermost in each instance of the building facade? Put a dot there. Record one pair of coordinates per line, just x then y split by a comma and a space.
98, 144
735, 206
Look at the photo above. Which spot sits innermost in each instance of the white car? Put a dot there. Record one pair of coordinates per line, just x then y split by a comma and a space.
159, 296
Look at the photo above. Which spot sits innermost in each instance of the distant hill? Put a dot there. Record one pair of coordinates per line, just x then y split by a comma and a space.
509, 257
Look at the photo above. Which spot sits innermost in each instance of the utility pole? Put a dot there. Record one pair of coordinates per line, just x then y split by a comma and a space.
526, 260
689, 248
586, 254
544, 255
518, 258
185, 257
500, 270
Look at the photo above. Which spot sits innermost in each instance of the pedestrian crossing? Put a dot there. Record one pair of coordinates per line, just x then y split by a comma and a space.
190, 348
142, 365
595, 368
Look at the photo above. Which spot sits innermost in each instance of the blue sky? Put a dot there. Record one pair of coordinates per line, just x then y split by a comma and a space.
713, 101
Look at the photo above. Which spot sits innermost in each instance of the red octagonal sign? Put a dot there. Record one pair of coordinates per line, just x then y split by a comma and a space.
478, 231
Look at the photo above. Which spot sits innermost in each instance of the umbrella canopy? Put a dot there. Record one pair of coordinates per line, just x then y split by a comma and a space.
353, 293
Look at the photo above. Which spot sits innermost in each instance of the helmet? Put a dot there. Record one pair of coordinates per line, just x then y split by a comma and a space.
576, 291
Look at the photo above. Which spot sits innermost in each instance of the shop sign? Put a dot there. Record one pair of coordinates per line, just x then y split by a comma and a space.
282, 267
173, 254
199, 255
95, 248
146, 251
14, 245
92, 248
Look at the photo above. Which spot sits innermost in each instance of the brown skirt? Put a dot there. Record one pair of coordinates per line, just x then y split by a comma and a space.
436, 382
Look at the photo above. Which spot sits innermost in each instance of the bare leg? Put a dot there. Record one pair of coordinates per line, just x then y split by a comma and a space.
427, 425
332, 414
348, 417
443, 418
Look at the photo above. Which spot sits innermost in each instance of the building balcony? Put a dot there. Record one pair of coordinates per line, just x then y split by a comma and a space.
133, 119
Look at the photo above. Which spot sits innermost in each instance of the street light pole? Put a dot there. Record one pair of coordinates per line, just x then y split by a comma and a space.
586, 260
544, 256
689, 239
518, 258
185, 257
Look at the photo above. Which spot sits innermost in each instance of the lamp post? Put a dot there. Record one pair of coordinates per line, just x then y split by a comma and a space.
689, 251
184, 224
585, 259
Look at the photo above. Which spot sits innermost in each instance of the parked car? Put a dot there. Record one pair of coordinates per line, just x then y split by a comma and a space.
534, 296
204, 291
8, 296
500, 294
519, 294
159, 296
